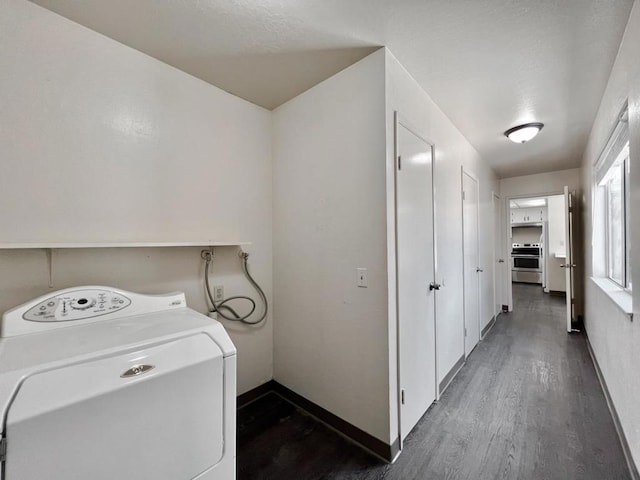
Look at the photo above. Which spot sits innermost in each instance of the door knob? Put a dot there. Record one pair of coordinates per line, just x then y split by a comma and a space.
479, 270
501, 261
434, 286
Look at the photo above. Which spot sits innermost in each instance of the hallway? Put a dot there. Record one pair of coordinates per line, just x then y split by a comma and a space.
527, 405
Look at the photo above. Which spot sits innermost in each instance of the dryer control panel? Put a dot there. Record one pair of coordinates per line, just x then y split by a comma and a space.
77, 305
83, 305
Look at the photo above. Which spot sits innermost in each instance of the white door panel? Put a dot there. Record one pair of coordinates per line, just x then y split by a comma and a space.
498, 260
471, 262
415, 257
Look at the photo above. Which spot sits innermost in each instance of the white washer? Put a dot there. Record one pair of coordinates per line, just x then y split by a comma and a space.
99, 383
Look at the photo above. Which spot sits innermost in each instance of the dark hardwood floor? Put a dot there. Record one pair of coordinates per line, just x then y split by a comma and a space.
527, 405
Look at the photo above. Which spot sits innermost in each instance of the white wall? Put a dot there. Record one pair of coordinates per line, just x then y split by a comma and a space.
330, 337
103, 143
106, 144
335, 344
452, 152
615, 339
539, 185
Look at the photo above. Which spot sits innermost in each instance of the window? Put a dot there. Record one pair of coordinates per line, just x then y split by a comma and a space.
612, 207
615, 185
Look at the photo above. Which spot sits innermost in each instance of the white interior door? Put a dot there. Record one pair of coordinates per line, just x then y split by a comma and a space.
569, 264
415, 258
498, 260
471, 262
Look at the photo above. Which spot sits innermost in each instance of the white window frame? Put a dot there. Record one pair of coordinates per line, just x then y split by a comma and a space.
622, 163
616, 154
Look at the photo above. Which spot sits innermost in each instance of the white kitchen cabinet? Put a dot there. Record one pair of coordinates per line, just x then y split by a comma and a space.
517, 215
528, 215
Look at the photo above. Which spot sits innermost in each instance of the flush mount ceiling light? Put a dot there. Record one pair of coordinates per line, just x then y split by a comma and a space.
523, 133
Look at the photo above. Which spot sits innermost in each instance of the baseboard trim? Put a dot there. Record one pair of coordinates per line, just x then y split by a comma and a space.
633, 469
255, 393
488, 326
386, 452
375, 446
448, 378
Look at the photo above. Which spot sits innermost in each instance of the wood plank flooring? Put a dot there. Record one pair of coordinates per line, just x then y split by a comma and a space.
527, 405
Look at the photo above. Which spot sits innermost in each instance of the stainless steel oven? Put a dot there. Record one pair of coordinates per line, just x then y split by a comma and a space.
526, 262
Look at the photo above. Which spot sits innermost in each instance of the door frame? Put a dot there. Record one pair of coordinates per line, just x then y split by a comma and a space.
506, 230
399, 119
464, 172
569, 211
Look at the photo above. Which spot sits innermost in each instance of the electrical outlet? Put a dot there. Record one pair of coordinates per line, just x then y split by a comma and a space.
218, 293
362, 280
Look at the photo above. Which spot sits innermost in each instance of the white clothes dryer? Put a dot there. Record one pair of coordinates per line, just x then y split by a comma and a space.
101, 384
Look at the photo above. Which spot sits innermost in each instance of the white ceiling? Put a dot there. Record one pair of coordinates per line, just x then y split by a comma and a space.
489, 64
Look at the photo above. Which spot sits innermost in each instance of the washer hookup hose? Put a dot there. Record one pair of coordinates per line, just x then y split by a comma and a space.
221, 306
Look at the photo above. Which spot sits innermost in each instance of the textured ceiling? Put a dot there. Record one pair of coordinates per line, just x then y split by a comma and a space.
489, 64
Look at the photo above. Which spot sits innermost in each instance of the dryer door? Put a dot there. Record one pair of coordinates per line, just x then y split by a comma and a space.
151, 414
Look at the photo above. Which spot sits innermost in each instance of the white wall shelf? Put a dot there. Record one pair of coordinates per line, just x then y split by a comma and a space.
49, 247
63, 245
